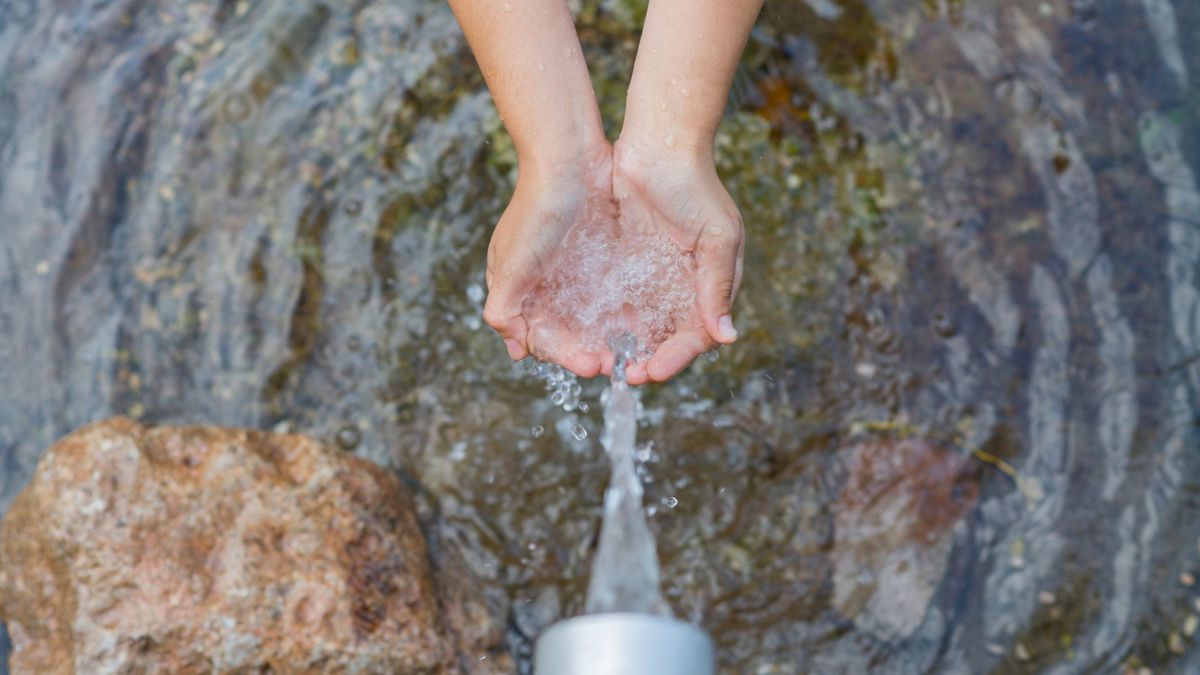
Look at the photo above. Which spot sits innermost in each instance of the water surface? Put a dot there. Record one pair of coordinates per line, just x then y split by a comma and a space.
974, 229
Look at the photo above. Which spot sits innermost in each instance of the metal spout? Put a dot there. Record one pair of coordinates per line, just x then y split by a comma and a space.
623, 644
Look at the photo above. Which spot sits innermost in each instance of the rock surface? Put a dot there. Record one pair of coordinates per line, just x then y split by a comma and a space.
198, 550
898, 516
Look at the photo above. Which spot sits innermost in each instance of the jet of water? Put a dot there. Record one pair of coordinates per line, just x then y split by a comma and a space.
625, 572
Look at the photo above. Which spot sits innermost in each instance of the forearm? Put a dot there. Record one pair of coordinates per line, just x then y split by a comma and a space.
688, 53
531, 59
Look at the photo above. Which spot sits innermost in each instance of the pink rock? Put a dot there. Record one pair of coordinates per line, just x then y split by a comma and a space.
897, 519
200, 550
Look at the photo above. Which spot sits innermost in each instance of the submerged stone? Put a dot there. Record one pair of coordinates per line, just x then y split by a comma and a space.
898, 515
201, 549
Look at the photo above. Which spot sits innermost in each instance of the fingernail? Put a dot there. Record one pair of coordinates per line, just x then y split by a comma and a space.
725, 327
514, 348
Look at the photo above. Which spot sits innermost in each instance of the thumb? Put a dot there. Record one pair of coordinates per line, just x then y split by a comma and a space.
718, 259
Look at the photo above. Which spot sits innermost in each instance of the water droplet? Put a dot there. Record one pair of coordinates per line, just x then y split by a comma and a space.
583, 406
537, 431
579, 432
568, 52
685, 92
669, 140
541, 67
508, 7
352, 207
662, 106
670, 502
348, 437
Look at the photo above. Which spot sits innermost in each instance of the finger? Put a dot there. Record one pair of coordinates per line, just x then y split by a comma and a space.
607, 359
550, 342
718, 258
510, 324
636, 374
676, 353
635, 371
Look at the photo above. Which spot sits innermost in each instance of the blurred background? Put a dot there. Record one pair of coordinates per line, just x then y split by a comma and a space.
959, 434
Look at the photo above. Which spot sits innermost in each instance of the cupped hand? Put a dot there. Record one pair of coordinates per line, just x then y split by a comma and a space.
678, 192
550, 198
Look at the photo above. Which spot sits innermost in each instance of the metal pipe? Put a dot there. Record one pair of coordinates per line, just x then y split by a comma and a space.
623, 644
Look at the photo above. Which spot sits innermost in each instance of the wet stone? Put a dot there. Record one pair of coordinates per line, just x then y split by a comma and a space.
898, 516
202, 549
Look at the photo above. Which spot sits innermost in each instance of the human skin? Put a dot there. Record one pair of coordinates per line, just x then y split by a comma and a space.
664, 175
665, 171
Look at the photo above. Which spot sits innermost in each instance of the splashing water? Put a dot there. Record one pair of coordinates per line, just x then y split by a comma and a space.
625, 573
614, 278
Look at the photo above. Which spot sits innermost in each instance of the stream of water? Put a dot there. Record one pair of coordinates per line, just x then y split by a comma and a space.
625, 571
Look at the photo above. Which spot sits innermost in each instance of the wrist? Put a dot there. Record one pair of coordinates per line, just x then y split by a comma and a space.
565, 158
653, 124
585, 161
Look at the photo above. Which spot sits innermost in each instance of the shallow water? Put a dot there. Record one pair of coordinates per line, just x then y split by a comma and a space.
973, 227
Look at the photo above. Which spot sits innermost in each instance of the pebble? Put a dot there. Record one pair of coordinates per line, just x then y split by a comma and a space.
865, 370
1175, 643
348, 437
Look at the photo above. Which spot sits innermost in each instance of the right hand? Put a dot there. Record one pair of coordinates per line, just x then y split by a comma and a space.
550, 198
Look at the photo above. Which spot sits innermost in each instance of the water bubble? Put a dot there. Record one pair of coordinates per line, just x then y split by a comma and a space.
685, 92
568, 52
558, 397
508, 7
541, 67
537, 431
669, 141
352, 207
579, 432
348, 437
583, 406
670, 502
